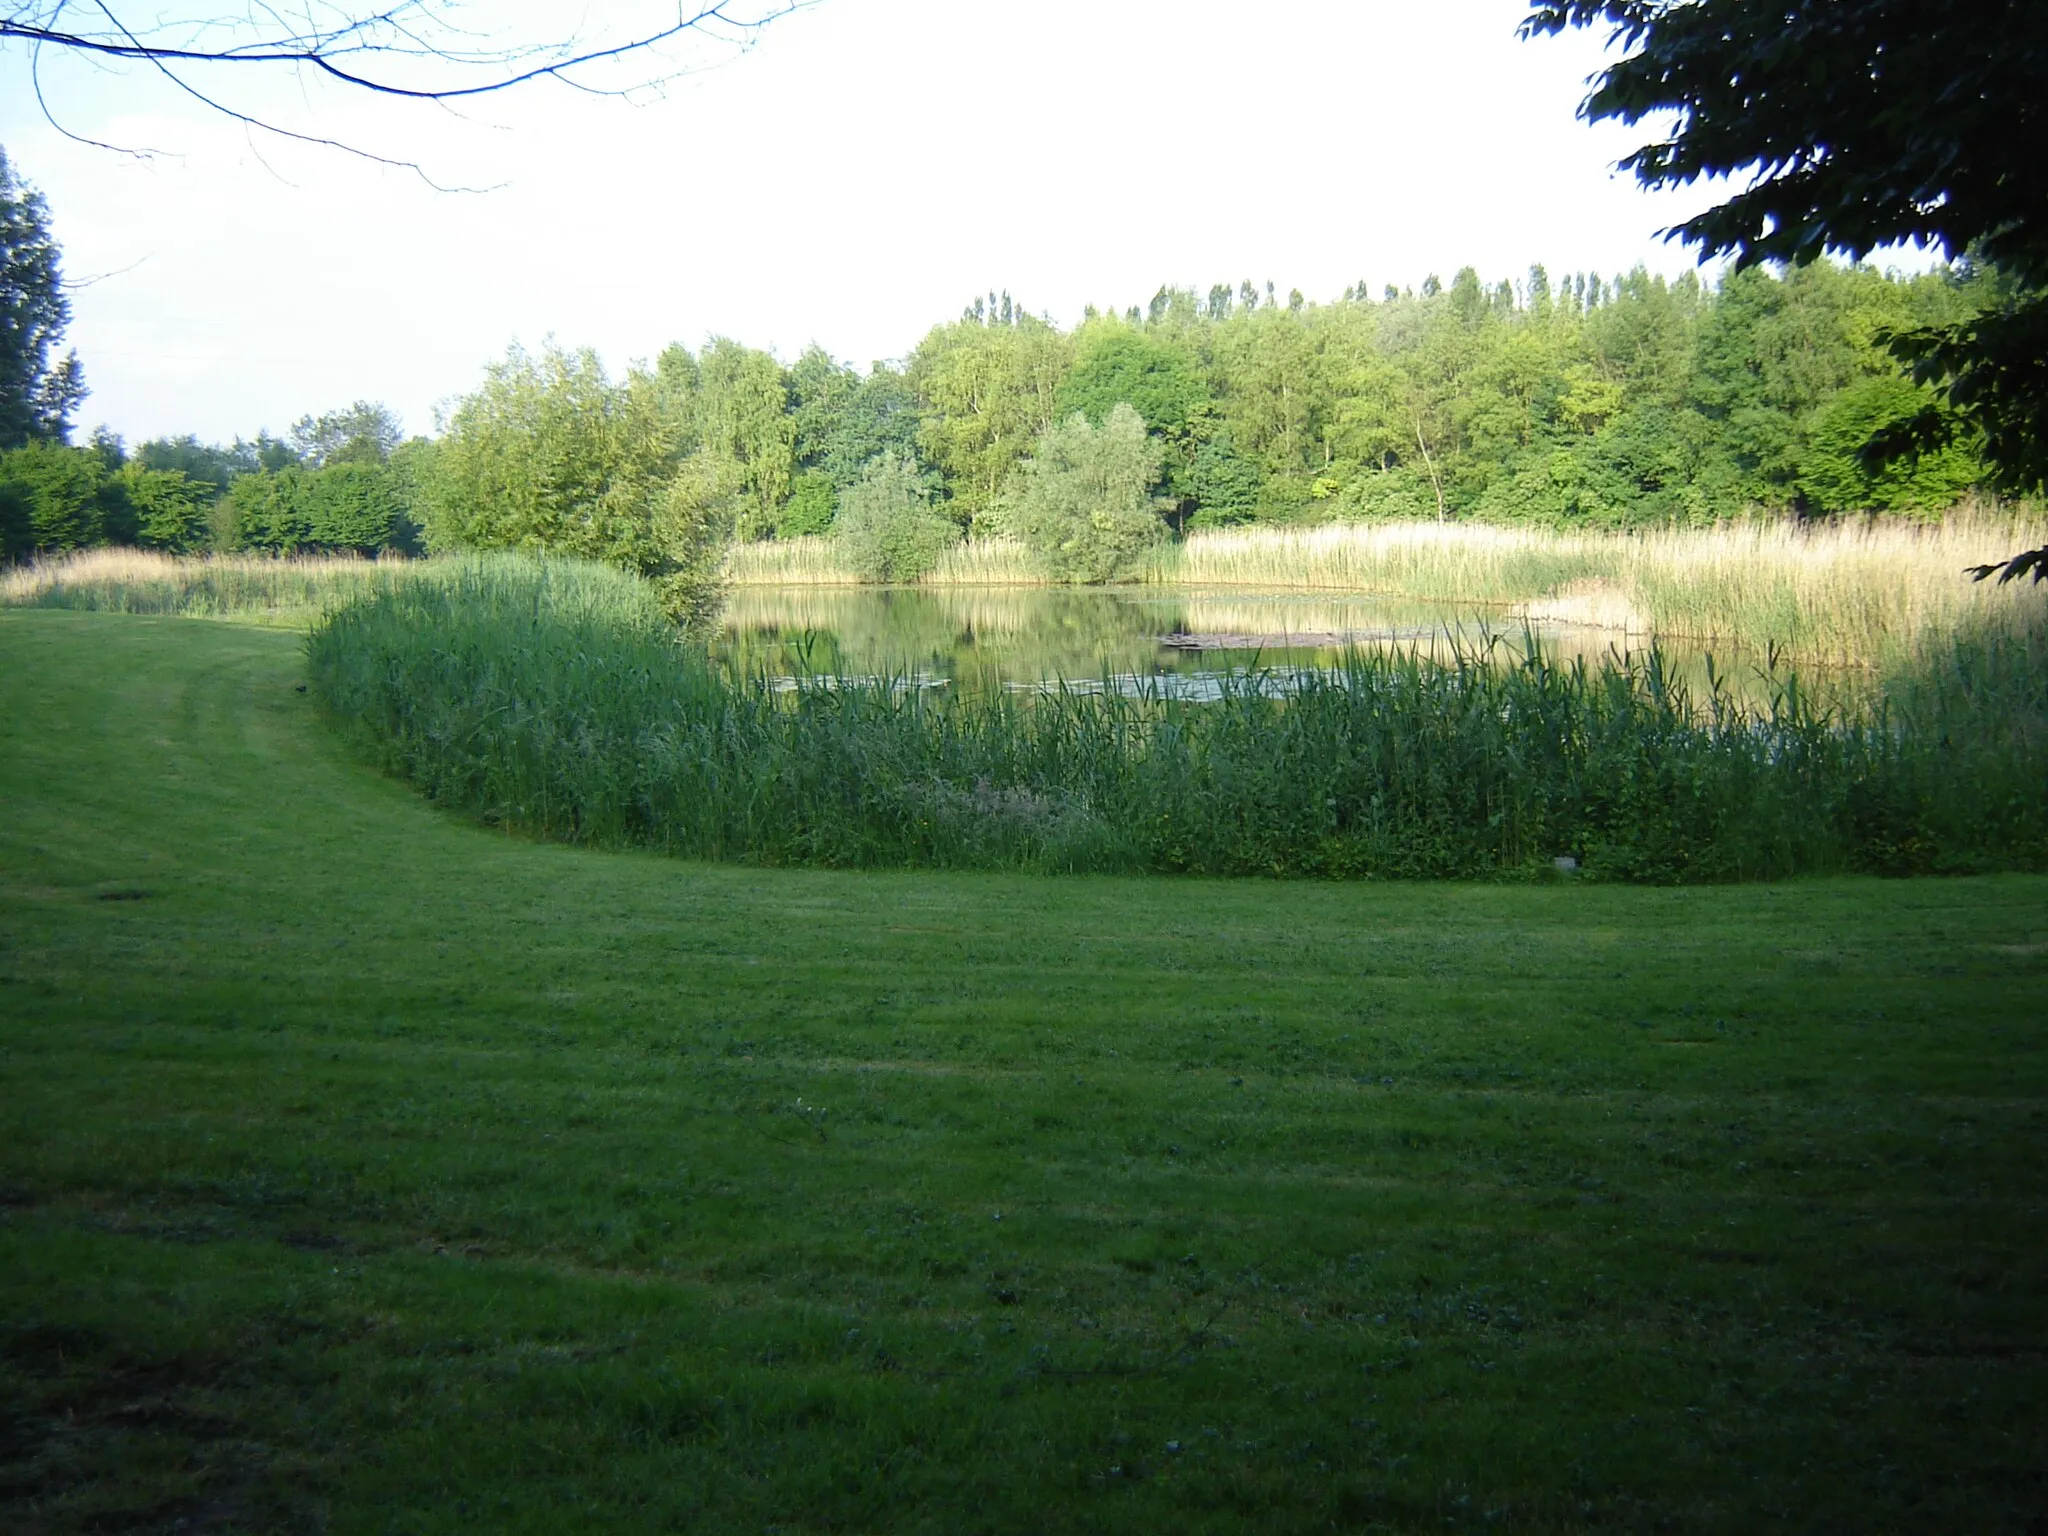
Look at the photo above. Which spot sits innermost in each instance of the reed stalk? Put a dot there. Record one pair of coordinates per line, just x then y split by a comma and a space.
555, 699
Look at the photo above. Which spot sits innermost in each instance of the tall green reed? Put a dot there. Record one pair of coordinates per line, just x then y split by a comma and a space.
554, 699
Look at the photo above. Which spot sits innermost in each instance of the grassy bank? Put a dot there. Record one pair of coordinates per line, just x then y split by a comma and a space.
366, 1172
1849, 593
541, 698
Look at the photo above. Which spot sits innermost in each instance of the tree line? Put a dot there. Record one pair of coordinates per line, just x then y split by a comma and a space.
1804, 388
1571, 401
1577, 402
344, 482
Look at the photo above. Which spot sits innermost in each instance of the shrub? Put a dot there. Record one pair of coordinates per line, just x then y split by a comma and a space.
172, 512
64, 499
887, 528
1225, 485
351, 507
1835, 477
809, 509
1083, 500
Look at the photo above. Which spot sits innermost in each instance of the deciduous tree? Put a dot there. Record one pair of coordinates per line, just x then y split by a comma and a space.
1851, 125
1084, 499
39, 391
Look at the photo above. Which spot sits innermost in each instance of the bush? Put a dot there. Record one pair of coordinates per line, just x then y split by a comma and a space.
809, 509
63, 499
1225, 485
887, 528
1835, 478
171, 512
1083, 500
17, 541
343, 507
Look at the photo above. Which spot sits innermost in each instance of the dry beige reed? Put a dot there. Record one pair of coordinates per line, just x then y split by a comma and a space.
261, 588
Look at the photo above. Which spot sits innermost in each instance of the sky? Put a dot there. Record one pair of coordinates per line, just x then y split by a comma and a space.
855, 176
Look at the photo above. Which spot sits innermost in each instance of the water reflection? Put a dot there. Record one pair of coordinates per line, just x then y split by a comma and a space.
1179, 643
1192, 687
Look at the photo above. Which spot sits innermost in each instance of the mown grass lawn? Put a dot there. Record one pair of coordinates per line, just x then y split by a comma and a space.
365, 1170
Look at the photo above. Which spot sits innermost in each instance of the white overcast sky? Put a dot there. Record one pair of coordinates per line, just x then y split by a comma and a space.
856, 176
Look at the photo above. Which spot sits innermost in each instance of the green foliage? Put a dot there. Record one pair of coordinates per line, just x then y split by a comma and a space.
1225, 486
845, 426
1577, 402
822, 392
1838, 475
809, 510
1117, 364
1083, 500
881, 420
1154, 373
353, 504
171, 512
887, 528
364, 433
64, 499
1850, 128
203, 463
346, 506
987, 389
263, 511
38, 393
742, 417
17, 536
411, 468
691, 529
551, 455
560, 718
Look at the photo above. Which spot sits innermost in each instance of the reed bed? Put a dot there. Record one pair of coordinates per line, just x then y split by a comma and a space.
1857, 593
937, 614
989, 563
249, 588
571, 711
805, 562
815, 562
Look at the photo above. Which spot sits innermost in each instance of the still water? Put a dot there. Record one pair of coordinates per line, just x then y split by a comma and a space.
1176, 641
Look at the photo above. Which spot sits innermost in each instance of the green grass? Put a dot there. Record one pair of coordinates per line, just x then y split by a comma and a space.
554, 698
364, 1171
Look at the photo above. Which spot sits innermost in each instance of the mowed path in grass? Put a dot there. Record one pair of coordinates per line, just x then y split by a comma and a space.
362, 1169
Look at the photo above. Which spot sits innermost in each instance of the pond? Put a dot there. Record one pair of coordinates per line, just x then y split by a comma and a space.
1174, 640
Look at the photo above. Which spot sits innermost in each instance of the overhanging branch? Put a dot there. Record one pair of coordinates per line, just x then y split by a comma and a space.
320, 51
414, 50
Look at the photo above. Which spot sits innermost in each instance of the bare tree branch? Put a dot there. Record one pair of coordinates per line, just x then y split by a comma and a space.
413, 50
